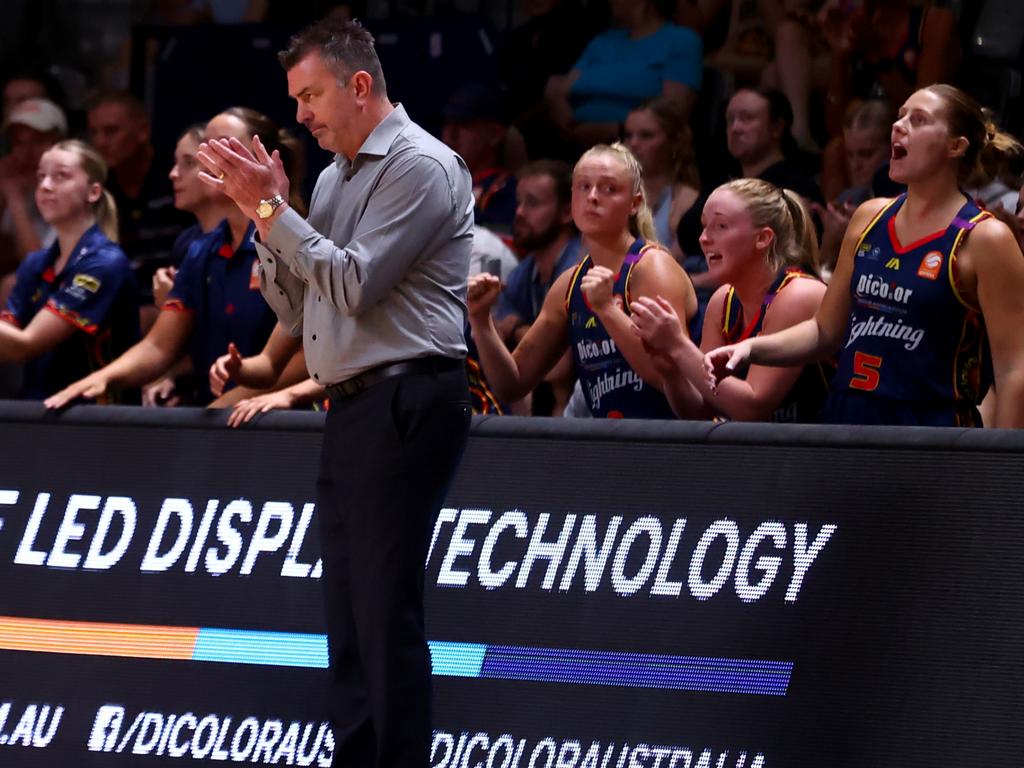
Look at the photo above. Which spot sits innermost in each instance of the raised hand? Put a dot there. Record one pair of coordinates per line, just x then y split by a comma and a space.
597, 286
243, 174
225, 369
481, 295
163, 282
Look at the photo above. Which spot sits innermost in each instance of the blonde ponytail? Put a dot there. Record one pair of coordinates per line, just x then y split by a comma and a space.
795, 241
803, 250
106, 214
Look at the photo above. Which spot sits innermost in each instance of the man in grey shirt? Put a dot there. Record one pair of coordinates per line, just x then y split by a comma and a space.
375, 281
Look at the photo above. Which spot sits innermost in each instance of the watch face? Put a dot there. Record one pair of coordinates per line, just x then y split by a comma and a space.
264, 209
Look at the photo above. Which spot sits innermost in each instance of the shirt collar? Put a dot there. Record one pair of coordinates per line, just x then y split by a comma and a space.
224, 236
90, 240
381, 137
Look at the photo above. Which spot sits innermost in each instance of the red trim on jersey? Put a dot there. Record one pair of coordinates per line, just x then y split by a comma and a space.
902, 249
174, 305
79, 322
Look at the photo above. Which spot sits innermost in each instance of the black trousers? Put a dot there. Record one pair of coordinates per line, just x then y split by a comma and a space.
389, 454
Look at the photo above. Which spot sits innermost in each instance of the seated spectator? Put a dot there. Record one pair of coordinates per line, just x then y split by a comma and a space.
587, 308
645, 56
995, 183
32, 127
216, 299
20, 87
912, 323
887, 49
545, 232
867, 146
757, 129
657, 133
75, 303
475, 127
864, 150
119, 129
762, 248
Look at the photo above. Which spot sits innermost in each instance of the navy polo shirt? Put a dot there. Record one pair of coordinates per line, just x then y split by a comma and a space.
95, 292
523, 294
222, 287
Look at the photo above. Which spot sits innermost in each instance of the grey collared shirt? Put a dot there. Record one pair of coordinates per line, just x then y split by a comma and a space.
378, 272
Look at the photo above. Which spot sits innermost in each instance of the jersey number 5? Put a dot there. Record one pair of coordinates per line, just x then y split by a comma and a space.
865, 372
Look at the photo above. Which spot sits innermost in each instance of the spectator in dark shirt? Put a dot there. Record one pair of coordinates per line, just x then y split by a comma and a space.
149, 223
476, 127
545, 231
757, 130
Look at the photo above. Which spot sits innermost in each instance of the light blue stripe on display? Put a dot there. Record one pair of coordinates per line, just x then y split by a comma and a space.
244, 646
457, 659
507, 662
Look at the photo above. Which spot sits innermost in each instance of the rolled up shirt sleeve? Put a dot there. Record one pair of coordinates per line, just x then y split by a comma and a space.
413, 204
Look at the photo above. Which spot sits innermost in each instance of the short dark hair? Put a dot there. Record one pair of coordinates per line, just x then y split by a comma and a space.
346, 47
558, 170
132, 103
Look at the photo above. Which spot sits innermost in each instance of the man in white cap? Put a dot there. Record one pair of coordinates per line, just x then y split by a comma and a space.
31, 128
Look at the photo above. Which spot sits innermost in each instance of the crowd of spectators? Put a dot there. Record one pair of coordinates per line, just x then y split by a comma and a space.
775, 112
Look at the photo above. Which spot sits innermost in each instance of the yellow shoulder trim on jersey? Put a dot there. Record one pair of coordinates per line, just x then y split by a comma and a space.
572, 282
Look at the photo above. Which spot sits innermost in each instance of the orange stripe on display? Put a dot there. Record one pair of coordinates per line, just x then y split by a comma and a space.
94, 639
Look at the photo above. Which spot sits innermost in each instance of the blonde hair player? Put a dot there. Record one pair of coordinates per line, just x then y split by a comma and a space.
587, 308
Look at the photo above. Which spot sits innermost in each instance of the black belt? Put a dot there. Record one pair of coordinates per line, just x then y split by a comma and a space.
366, 379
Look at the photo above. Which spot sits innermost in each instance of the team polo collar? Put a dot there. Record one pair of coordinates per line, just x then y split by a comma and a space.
224, 233
90, 241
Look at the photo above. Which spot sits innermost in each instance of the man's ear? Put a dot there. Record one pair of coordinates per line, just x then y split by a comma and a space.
362, 82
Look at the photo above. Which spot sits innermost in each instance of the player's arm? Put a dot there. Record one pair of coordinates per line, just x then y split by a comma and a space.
44, 332
996, 260
152, 357
813, 339
657, 274
765, 387
513, 375
414, 205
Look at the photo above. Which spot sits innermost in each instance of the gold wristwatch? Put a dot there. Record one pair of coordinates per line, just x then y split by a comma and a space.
266, 208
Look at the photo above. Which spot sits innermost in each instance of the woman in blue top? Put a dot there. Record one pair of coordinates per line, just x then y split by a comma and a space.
587, 308
215, 300
643, 57
926, 284
75, 304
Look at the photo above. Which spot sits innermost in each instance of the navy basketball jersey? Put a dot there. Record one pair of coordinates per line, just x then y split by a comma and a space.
804, 402
914, 347
611, 387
